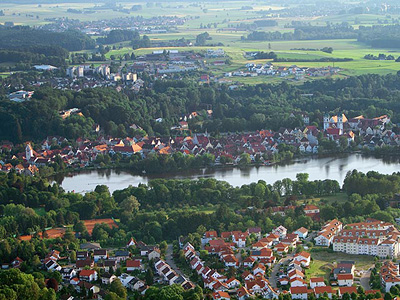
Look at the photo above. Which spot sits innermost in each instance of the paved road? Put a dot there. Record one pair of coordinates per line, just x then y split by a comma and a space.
275, 269
364, 280
169, 259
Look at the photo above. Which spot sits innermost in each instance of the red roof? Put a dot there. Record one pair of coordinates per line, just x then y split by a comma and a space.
299, 290
133, 263
86, 272
345, 276
348, 289
323, 289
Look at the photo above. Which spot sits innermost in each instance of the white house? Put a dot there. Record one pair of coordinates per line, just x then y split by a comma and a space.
301, 232
345, 279
317, 281
299, 292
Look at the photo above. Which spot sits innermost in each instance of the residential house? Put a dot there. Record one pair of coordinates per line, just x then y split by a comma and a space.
220, 295
300, 292
302, 232
107, 278
100, 254
345, 279
132, 265
88, 275
317, 282
320, 291
347, 289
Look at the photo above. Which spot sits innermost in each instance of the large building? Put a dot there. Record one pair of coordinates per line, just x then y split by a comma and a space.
374, 238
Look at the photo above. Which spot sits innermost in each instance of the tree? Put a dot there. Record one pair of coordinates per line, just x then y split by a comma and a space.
202, 38
112, 296
117, 287
388, 296
149, 278
72, 256
245, 159
130, 205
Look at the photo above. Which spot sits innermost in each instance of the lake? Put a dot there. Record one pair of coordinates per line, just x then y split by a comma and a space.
318, 168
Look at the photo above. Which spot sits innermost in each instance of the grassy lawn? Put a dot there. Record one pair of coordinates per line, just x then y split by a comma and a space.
323, 262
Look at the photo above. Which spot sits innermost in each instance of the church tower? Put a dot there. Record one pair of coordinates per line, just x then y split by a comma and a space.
326, 121
28, 152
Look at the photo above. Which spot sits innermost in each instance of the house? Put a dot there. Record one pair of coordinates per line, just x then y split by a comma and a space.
51, 265
90, 246
16, 263
320, 291
344, 267
107, 278
88, 287
80, 264
242, 293
302, 232
100, 254
345, 279
209, 235
232, 283
132, 265
304, 258
131, 242
249, 262
347, 289
281, 248
82, 255
137, 285
109, 265
155, 253
88, 275
247, 276
125, 279
256, 231
316, 282
259, 269
68, 273
220, 295
121, 255
300, 292
280, 231
230, 261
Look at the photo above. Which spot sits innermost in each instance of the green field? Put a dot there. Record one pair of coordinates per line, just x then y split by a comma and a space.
323, 262
225, 14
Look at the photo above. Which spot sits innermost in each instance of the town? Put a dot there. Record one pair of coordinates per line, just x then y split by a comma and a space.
233, 149
268, 264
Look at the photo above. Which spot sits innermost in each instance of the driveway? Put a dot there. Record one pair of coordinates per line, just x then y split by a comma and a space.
364, 280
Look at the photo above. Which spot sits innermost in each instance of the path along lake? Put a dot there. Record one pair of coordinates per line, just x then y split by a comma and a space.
318, 168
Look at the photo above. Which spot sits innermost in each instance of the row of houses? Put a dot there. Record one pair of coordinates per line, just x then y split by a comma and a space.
373, 237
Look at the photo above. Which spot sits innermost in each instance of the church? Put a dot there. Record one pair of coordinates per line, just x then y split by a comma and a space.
336, 122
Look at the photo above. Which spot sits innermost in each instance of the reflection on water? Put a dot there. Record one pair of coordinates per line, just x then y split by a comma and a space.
317, 168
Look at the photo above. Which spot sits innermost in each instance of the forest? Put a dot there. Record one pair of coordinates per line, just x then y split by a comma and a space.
40, 46
263, 106
377, 36
14, 37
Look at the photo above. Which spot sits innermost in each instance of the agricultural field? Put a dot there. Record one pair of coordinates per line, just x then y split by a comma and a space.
218, 18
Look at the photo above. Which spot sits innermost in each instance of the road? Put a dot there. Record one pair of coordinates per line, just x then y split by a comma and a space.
275, 269
170, 260
364, 280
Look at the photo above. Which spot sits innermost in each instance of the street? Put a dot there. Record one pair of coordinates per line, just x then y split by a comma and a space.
170, 261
